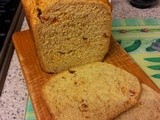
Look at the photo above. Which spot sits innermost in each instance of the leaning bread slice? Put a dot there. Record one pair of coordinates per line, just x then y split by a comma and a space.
97, 91
147, 108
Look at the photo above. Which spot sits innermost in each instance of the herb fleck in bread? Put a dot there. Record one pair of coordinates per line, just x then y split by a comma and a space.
97, 91
69, 33
147, 108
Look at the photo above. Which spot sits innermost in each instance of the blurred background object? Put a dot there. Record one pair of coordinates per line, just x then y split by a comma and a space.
142, 4
11, 18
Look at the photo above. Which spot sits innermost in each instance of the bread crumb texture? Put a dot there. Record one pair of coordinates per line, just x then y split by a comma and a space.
147, 108
70, 33
97, 91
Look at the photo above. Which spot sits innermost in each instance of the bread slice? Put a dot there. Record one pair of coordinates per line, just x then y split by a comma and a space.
69, 33
97, 91
147, 108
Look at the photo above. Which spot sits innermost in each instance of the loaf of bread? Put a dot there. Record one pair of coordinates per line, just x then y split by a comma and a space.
147, 108
96, 91
69, 33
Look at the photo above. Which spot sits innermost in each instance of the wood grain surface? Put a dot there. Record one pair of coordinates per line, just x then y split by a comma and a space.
35, 78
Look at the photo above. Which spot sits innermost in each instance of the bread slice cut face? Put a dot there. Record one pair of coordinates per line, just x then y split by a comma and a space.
69, 33
97, 91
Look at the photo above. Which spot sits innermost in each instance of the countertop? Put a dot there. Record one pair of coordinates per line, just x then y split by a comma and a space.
14, 96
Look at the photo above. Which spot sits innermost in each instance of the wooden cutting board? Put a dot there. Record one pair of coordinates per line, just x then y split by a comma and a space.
35, 77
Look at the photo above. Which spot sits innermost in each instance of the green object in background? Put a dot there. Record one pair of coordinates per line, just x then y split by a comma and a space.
30, 115
133, 47
149, 49
158, 40
153, 59
154, 67
156, 76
